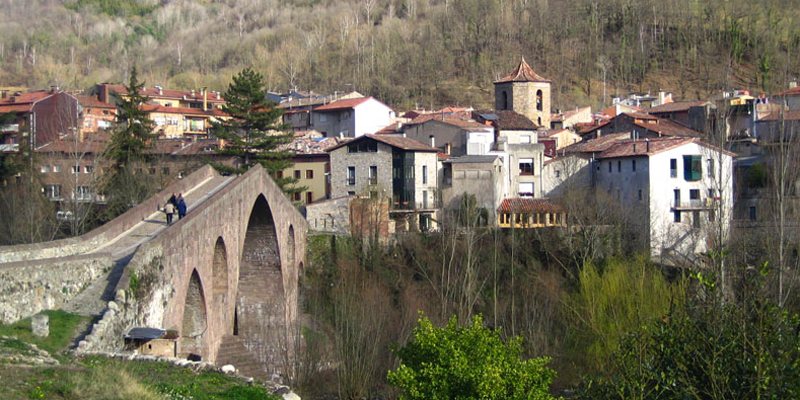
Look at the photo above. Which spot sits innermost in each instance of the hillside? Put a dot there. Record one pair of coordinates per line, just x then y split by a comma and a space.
407, 52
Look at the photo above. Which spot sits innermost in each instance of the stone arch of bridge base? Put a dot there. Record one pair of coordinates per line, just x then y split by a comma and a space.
195, 319
260, 305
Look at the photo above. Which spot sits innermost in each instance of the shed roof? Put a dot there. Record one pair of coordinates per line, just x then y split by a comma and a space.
145, 333
529, 205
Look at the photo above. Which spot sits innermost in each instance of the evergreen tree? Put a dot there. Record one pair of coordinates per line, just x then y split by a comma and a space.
253, 133
131, 137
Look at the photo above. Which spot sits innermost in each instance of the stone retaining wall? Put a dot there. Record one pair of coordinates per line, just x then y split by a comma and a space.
27, 287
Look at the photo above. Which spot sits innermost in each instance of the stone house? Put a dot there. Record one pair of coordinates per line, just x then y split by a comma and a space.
698, 115
351, 117
202, 99
451, 134
568, 119
390, 167
640, 126
482, 176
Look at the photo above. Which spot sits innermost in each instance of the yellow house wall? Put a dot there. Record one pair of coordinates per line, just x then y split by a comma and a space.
316, 185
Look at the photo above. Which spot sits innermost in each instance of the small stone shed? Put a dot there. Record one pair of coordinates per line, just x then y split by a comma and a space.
152, 341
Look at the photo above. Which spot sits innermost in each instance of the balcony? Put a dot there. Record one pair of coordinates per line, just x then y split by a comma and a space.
695, 204
9, 128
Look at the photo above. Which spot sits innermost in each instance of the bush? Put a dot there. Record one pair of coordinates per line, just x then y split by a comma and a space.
469, 362
719, 353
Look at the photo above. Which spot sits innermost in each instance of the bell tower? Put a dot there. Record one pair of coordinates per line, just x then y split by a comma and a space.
525, 92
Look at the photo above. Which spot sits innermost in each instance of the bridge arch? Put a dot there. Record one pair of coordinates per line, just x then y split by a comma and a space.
219, 273
260, 311
195, 319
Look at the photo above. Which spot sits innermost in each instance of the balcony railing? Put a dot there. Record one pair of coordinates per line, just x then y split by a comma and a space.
694, 204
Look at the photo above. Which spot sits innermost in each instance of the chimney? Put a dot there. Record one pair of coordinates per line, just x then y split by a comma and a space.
192, 92
53, 89
793, 83
433, 140
160, 90
205, 98
647, 140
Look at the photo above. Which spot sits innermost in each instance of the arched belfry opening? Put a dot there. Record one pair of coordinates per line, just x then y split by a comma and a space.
260, 306
539, 100
195, 321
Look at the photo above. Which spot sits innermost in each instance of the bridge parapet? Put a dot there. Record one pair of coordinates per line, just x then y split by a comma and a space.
101, 235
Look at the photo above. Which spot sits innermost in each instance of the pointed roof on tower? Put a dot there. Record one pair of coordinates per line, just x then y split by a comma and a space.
523, 73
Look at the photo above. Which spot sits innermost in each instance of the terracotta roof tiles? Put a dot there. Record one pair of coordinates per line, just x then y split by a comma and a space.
342, 104
529, 205
676, 106
523, 73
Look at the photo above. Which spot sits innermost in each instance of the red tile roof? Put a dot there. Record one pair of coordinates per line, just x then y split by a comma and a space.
791, 92
631, 148
343, 104
529, 205
91, 101
167, 93
676, 106
596, 145
508, 120
787, 116
182, 110
669, 128
397, 141
523, 73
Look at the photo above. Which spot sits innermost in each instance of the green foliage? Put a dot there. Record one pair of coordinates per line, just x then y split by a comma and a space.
469, 362
610, 301
113, 8
62, 326
727, 352
253, 133
756, 176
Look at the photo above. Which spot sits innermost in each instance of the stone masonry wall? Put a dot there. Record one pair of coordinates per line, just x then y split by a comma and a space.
330, 216
27, 287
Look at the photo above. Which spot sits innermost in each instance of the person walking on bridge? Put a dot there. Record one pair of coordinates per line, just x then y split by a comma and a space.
169, 209
181, 206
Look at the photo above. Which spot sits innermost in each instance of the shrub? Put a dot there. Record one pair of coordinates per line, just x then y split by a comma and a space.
472, 362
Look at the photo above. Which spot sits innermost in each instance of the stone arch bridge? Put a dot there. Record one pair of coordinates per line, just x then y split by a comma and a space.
224, 277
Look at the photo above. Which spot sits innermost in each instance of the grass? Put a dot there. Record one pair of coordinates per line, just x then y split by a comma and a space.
100, 378
62, 327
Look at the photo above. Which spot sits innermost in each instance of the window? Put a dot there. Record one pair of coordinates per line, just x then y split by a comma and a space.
526, 166
297, 174
351, 176
692, 168
53, 192
279, 174
102, 124
673, 168
56, 168
45, 169
373, 175
83, 193
296, 196
752, 213
558, 173
619, 165
424, 175
75, 169
351, 193
525, 139
609, 166
694, 194
633, 165
88, 169
677, 216
526, 189
677, 198
309, 174
323, 118
165, 171
309, 197
539, 101
151, 170
363, 146
696, 219
640, 194
711, 167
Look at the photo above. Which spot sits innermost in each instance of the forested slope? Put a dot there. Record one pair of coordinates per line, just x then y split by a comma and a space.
407, 52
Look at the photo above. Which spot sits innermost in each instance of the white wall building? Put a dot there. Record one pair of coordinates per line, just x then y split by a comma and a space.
681, 188
351, 117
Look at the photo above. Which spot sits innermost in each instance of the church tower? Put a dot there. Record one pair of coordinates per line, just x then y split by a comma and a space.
525, 92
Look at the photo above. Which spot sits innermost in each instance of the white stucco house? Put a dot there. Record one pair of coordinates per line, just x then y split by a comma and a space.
351, 117
679, 191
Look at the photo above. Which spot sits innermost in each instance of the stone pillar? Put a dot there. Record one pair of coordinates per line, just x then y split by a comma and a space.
40, 325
